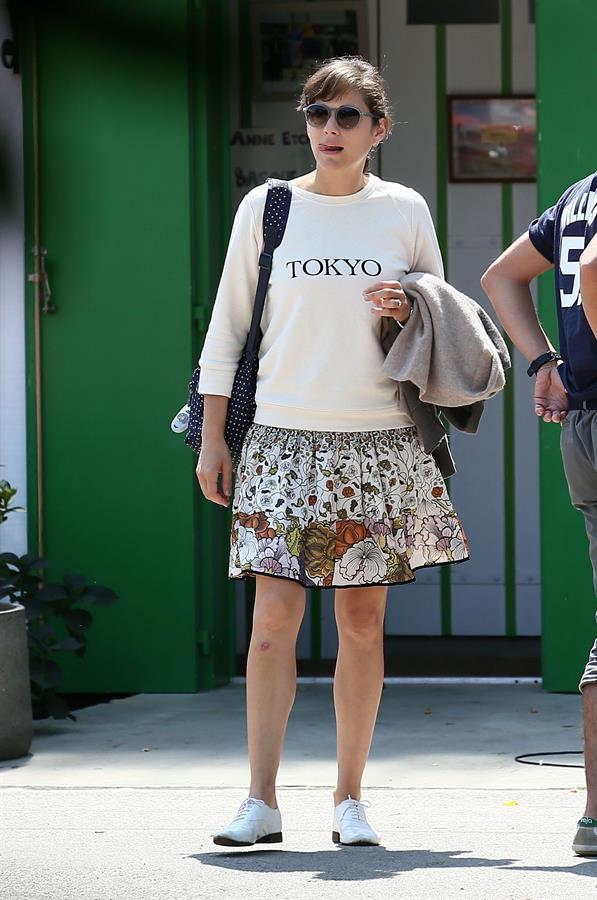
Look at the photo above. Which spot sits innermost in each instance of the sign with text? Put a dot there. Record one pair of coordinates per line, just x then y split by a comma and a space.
257, 154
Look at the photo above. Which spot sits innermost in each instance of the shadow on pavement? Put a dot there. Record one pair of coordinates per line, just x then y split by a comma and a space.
347, 863
582, 868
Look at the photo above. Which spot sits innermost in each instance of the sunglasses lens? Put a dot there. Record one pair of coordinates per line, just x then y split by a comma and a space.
348, 117
317, 115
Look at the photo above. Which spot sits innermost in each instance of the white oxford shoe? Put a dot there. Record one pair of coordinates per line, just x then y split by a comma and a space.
351, 825
254, 823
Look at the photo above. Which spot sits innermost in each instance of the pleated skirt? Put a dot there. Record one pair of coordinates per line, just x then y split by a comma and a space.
340, 509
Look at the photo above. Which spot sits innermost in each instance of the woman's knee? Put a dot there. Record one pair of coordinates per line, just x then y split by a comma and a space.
360, 619
279, 606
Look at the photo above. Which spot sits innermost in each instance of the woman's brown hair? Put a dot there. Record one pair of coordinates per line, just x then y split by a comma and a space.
342, 74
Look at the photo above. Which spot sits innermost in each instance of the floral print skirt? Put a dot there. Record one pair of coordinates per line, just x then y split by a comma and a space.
340, 509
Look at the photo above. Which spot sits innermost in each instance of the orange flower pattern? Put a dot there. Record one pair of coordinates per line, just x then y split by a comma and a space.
340, 509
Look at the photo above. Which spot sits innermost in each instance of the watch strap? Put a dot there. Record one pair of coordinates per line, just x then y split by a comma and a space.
536, 364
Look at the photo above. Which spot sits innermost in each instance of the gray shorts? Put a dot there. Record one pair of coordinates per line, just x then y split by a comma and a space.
578, 442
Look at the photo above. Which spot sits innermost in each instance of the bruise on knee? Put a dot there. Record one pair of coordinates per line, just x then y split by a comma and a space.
264, 645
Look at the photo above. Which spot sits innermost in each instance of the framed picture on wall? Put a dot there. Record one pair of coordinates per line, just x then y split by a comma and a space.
492, 138
289, 38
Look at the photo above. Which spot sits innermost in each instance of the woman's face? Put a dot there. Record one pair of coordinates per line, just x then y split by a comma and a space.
339, 149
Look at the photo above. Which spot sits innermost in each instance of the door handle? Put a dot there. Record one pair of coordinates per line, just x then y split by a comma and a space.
40, 276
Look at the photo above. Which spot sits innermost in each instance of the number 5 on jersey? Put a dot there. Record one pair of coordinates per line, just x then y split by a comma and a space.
571, 247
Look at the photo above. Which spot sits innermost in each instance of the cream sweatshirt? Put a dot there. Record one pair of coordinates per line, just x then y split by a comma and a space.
321, 359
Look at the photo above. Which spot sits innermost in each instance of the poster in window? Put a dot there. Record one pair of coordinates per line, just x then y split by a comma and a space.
492, 138
290, 39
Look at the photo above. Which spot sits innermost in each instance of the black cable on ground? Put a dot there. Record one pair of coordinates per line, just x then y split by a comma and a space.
525, 759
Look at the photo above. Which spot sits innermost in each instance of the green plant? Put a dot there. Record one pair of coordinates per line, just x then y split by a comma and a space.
6, 494
21, 582
47, 605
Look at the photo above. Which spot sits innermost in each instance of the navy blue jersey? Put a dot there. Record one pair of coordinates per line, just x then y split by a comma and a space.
560, 235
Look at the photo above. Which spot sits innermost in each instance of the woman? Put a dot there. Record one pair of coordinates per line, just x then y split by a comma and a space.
333, 488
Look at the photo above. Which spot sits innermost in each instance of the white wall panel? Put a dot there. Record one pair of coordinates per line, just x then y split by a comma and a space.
329, 631
478, 497
526, 448
528, 607
408, 55
241, 616
478, 610
526, 425
477, 487
474, 239
473, 59
13, 450
523, 49
303, 643
415, 608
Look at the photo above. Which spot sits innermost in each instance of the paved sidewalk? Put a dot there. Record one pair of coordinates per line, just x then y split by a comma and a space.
123, 803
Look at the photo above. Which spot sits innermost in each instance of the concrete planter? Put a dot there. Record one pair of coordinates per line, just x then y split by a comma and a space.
16, 720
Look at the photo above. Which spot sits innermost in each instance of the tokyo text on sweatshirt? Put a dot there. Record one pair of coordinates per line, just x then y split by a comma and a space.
321, 359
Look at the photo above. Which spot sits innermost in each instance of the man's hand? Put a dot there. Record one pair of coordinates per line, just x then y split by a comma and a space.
551, 399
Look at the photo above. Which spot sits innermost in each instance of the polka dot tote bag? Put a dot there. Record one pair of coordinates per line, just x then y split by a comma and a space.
241, 406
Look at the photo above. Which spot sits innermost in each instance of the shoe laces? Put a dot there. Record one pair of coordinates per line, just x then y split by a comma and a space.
246, 806
355, 809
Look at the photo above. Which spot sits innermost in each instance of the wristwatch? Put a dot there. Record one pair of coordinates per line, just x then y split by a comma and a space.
534, 367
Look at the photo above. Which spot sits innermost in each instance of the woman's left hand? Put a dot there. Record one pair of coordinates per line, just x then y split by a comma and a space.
388, 299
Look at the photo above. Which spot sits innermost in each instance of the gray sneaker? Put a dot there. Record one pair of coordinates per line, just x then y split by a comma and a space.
585, 842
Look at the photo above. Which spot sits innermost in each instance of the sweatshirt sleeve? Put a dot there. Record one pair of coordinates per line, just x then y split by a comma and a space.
427, 256
233, 307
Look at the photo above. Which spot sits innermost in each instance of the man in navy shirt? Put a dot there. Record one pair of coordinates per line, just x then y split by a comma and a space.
563, 237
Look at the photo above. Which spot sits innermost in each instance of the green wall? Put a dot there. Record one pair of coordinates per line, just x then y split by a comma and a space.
567, 148
128, 183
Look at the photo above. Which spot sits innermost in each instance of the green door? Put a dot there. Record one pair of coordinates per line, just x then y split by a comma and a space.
566, 151
113, 117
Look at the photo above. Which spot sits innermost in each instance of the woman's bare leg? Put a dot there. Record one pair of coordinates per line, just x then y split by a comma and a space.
271, 678
358, 681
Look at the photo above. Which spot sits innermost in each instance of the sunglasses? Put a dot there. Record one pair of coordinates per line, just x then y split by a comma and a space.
347, 117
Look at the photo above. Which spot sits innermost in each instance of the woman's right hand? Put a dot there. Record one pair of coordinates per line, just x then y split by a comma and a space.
215, 460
